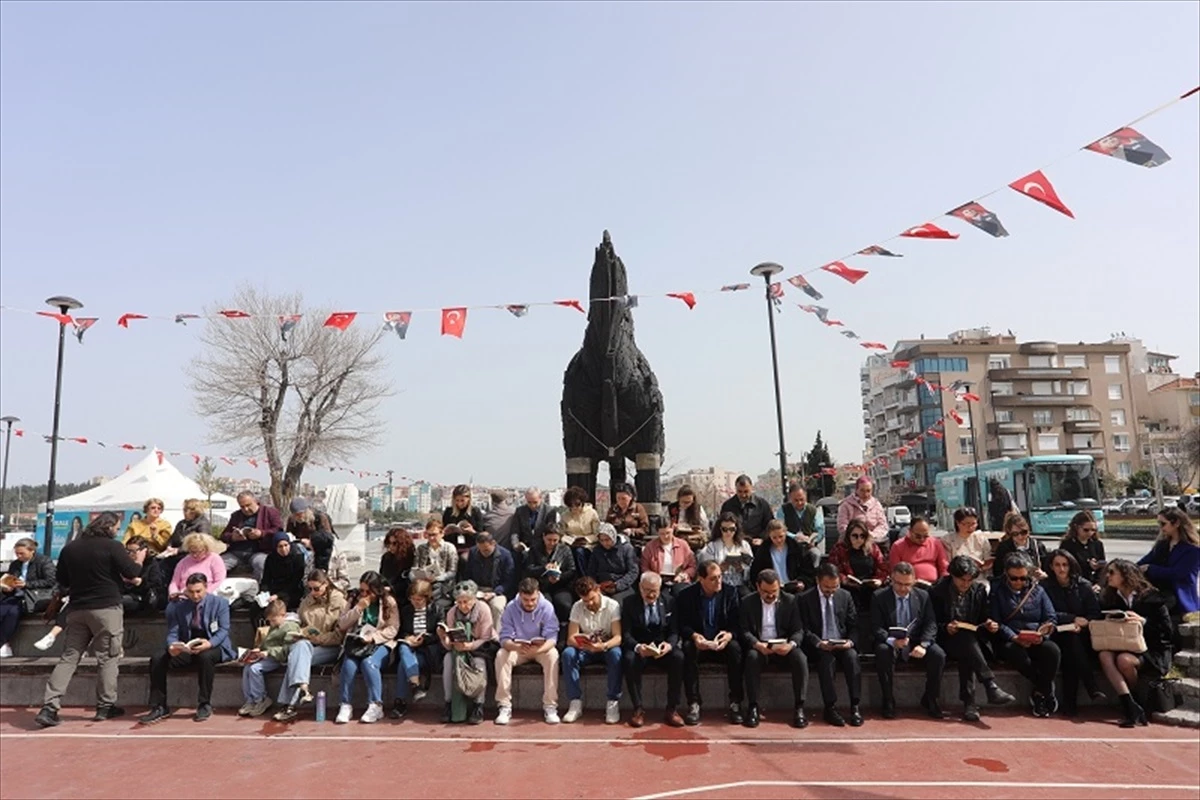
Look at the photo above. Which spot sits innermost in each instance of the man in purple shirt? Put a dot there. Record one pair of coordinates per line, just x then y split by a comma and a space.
528, 632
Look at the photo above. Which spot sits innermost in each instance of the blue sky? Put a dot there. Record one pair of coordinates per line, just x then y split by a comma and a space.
392, 156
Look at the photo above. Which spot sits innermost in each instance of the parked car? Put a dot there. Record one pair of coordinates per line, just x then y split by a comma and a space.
1140, 505
898, 516
1114, 505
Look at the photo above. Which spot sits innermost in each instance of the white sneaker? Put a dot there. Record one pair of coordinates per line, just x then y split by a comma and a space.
374, 713
504, 715
612, 712
244, 711
550, 714
574, 711
5, 651
345, 712
261, 707
46, 642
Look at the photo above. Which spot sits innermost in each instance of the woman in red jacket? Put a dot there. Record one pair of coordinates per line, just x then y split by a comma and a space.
860, 563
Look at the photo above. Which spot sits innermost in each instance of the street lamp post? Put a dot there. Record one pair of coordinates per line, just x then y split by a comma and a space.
64, 304
766, 270
8, 423
975, 457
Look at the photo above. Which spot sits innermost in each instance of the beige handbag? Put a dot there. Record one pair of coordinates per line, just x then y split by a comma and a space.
1122, 636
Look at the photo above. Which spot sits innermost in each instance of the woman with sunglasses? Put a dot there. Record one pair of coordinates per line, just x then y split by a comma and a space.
1074, 600
1018, 541
1027, 619
1127, 590
399, 554
1082, 541
1173, 564
860, 563
726, 548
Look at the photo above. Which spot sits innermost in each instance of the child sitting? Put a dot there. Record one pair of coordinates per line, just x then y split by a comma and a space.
270, 652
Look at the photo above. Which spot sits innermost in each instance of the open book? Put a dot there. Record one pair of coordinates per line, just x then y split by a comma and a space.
536, 641
8, 579
192, 644
456, 634
582, 639
1029, 636
656, 648
773, 642
898, 632
965, 626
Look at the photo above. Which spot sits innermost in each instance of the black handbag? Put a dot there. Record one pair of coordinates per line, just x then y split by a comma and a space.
36, 600
1160, 696
355, 646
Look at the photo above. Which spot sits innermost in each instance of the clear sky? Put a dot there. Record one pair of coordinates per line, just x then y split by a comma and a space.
389, 156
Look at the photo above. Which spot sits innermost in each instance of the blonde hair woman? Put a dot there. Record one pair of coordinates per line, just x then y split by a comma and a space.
203, 556
151, 527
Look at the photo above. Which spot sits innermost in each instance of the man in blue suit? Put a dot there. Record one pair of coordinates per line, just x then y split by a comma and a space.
201, 620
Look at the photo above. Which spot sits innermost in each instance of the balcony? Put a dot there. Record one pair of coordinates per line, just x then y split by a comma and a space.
1082, 426
1027, 400
1010, 452
997, 428
1039, 348
1037, 374
1098, 452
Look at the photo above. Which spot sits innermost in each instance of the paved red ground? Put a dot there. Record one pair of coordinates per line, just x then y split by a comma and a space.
1004, 756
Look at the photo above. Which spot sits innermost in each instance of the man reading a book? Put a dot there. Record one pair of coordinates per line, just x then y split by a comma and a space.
528, 632
710, 630
772, 631
926, 554
649, 638
906, 628
593, 637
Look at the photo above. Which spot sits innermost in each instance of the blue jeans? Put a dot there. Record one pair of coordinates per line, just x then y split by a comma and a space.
412, 662
254, 684
370, 668
574, 660
303, 656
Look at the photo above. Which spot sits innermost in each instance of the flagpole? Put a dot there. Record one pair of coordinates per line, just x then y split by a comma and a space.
766, 270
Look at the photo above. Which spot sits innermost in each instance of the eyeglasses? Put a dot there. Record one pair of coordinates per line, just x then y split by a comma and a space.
858, 536
1018, 578
728, 529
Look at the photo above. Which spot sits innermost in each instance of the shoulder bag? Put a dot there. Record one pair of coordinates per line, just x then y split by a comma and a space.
1122, 636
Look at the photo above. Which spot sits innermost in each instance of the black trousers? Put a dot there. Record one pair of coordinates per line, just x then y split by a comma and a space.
847, 659
796, 664
562, 600
1077, 666
731, 657
204, 663
1039, 663
634, 665
934, 662
964, 648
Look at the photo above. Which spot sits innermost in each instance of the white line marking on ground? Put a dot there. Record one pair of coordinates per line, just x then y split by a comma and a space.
458, 740
718, 787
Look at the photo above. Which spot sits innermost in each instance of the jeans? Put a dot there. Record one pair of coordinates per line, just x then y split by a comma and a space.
574, 660
10, 614
254, 685
235, 559
370, 668
301, 659
412, 664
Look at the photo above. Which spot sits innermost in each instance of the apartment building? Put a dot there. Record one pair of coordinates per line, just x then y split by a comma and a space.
1036, 398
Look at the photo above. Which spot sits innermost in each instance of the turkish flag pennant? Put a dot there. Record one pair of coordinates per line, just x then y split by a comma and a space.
801, 283
842, 271
454, 321
397, 321
159, 454
833, 323
686, 297
849, 334
82, 324
901, 364
981, 218
957, 417
123, 321
228, 461
1037, 186
340, 320
873, 345
287, 322
1129, 145
196, 459
79, 439
820, 311
517, 310
918, 379
876, 250
19, 432
253, 462
903, 451
233, 313
575, 304
183, 318
937, 434
929, 231
775, 291
63, 319
970, 397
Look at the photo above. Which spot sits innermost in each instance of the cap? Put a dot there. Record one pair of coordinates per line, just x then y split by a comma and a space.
298, 504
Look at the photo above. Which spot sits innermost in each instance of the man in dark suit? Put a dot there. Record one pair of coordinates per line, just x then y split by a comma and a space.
903, 605
709, 619
528, 522
830, 628
772, 629
649, 637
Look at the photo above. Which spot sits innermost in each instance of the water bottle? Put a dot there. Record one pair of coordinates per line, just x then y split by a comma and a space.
320, 706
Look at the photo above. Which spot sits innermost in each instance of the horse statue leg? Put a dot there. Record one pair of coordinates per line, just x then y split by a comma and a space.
581, 472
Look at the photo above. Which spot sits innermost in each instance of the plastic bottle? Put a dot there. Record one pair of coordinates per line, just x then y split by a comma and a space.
320, 707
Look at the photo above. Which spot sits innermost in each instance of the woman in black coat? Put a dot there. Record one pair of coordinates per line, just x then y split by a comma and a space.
1128, 590
1075, 602
1017, 539
284, 572
29, 571
1082, 540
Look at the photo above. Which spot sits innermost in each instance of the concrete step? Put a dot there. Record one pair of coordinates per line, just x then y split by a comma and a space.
143, 635
1189, 632
1180, 717
1188, 661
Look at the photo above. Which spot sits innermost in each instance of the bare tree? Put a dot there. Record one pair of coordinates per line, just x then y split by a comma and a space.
312, 394
209, 483
1181, 455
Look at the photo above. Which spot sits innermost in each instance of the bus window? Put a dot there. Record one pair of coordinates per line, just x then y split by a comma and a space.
1056, 485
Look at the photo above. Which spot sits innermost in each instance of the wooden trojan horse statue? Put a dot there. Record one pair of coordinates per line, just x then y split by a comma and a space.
611, 406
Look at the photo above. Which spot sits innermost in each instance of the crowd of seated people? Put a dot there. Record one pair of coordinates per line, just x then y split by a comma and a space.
480, 595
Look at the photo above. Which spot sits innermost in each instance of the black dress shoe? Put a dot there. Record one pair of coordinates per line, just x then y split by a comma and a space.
751, 720
997, 696
888, 709
832, 716
971, 713
476, 715
799, 720
692, 717
735, 714
47, 718
446, 714
856, 717
932, 708
156, 715
108, 712
399, 709
203, 712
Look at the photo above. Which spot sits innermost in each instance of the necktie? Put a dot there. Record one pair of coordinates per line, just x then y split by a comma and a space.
196, 618
902, 613
651, 615
831, 630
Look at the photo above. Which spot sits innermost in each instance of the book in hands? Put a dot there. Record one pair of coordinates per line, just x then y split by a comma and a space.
536, 641
192, 644
774, 642
656, 648
965, 626
898, 632
10, 580
1070, 627
853, 580
456, 635
1032, 637
582, 639
836, 642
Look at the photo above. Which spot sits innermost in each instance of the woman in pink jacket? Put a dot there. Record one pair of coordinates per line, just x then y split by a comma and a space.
863, 504
203, 556
670, 557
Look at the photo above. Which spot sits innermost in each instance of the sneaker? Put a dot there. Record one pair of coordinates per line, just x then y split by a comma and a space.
305, 697
203, 712
574, 711
1037, 704
476, 715
108, 712
244, 711
399, 709
345, 712
550, 714
288, 714
155, 716
46, 642
419, 694
612, 712
692, 717
261, 707
47, 718
374, 713
504, 715
5, 651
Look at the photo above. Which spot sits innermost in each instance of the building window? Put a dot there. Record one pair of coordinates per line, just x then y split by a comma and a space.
1041, 362
1002, 387
1081, 440
1078, 388
999, 362
1112, 365
1194, 398
965, 448
1115, 392
1117, 417
1015, 441
1004, 415
930, 364
1075, 362
1079, 414
1120, 442
1043, 387
1124, 470
1043, 416
1047, 442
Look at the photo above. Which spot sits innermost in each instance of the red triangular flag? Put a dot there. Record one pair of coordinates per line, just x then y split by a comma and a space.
228, 461
901, 364
159, 453
79, 439
253, 462
123, 321
842, 271
1037, 186
686, 297
454, 320
873, 345
929, 231
575, 304
936, 434
18, 432
957, 417
340, 319
234, 314
63, 319
196, 458
128, 446
833, 323
970, 397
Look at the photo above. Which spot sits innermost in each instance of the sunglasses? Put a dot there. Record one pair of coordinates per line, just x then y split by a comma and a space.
1090, 528
1018, 579
728, 529
858, 536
